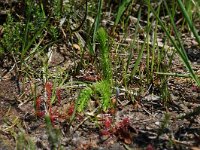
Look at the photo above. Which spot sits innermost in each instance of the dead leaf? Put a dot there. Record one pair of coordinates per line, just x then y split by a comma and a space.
76, 46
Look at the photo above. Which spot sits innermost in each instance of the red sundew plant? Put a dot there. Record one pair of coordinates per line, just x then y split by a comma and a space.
195, 88
38, 102
107, 126
105, 132
39, 112
124, 123
52, 114
107, 122
150, 147
108, 129
48, 87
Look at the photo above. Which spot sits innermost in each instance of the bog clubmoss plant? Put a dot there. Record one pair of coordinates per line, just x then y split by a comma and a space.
84, 97
102, 88
104, 55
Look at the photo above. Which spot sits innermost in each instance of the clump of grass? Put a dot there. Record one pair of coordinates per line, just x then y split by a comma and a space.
20, 35
123, 6
178, 45
188, 17
23, 39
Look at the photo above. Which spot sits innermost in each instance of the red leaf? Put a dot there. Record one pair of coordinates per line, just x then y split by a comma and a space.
53, 118
48, 87
53, 115
126, 121
58, 95
70, 110
40, 113
38, 102
107, 122
105, 132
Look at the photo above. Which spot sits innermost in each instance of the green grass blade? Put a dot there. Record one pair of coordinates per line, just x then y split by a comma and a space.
134, 41
138, 60
121, 10
191, 25
96, 24
181, 50
39, 32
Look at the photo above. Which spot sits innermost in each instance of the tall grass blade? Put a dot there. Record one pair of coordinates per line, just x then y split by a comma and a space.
96, 24
138, 60
53, 134
121, 10
134, 41
182, 50
191, 25
39, 32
